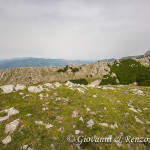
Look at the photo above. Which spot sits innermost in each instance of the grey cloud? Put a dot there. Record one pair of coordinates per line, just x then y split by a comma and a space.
74, 29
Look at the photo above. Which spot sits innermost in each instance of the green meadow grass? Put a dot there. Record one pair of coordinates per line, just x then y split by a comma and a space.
109, 106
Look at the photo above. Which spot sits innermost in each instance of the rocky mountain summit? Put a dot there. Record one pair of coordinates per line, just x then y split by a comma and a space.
33, 75
90, 72
147, 54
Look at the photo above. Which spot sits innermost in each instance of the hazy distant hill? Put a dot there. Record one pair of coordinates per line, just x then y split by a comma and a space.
147, 54
40, 62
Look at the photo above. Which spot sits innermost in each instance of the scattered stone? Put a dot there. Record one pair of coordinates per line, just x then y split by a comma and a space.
6, 140
95, 83
3, 118
11, 111
69, 84
39, 122
80, 90
41, 96
105, 108
103, 124
60, 129
126, 114
118, 144
57, 84
74, 126
114, 126
135, 84
24, 146
81, 118
148, 122
74, 114
94, 96
136, 91
88, 109
92, 112
138, 120
29, 115
90, 123
133, 110
52, 147
35, 89
77, 131
12, 126
20, 87
7, 88
48, 84
30, 148
45, 108
21, 93
108, 88
47, 126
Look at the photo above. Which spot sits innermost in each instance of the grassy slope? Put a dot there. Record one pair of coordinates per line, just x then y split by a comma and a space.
116, 103
128, 71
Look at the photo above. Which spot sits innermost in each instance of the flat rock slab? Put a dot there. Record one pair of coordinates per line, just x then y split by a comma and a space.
11, 111
19, 87
12, 126
35, 89
6, 140
90, 123
7, 88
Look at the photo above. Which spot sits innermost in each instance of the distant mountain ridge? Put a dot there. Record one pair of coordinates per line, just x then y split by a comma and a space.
41, 62
147, 54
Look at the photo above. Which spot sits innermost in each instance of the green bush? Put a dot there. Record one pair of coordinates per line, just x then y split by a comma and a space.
67, 67
128, 71
63, 70
79, 81
110, 80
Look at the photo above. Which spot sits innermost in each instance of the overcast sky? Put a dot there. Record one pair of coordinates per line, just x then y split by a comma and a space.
74, 29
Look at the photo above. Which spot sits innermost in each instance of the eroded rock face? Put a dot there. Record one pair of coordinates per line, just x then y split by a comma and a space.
12, 126
7, 88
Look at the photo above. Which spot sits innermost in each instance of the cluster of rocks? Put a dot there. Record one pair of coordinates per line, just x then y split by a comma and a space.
9, 88
137, 91
12, 126
47, 126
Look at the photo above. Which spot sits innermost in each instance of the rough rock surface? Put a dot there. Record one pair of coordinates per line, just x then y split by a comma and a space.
90, 123
12, 126
19, 87
6, 140
7, 88
35, 89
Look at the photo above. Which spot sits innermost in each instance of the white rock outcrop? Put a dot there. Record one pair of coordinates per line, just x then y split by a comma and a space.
10, 112
7, 88
35, 89
90, 123
12, 126
103, 124
6, 140
74, 114
19, 87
